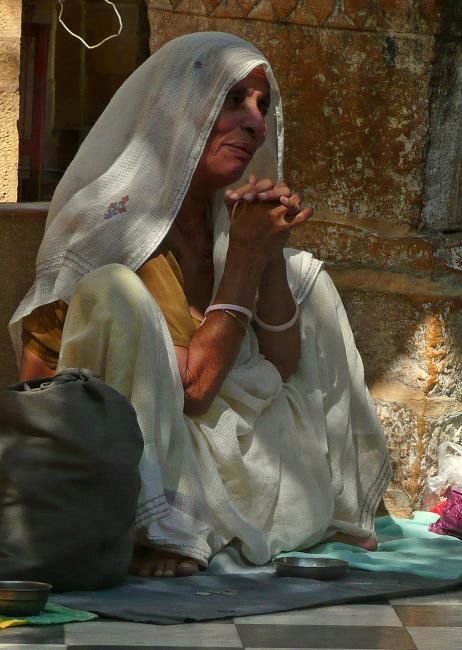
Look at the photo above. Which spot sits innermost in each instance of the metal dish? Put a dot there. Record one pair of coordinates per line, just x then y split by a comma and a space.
22, 598
317, 568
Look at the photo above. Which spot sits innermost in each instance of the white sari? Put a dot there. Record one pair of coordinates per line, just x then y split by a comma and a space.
277, 466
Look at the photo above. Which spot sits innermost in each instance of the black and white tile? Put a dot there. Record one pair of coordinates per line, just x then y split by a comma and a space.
420, 623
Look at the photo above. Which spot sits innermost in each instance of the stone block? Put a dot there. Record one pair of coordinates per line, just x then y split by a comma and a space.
446, 428
398, 16
10, 18
20, 234
262, 11
443, 174
195, 6
356, 122
210, 5
10, 33
403, 431
166, 4
414, 426
451, 18
444, 351
233, 9
9, 111
348, 241
283, 9
362, 13
450, 251
9, 64
390, 333
311, 13
404, 339
321, 9
395, 14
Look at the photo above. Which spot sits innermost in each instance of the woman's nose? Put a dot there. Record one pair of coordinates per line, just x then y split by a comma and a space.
253, 121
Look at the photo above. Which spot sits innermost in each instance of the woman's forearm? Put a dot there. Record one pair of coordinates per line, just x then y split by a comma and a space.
276, 306
215, 345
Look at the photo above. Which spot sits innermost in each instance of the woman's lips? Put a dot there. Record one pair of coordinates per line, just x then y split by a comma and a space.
241, 150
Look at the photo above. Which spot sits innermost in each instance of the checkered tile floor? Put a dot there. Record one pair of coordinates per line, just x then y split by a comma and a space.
424, 623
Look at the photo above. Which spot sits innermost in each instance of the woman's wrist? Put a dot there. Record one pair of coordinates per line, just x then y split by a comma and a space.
275, 265
241, 277
281, 327
275, 305
246, 252
274, 276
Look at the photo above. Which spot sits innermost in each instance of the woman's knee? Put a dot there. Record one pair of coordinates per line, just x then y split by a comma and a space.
114, 284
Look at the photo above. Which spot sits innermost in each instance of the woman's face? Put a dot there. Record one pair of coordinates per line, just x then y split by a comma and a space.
237, 133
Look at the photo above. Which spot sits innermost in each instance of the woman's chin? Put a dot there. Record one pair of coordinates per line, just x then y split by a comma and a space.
231, 176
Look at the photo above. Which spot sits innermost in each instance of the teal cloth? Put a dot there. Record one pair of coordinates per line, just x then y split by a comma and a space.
53, 614
404, 545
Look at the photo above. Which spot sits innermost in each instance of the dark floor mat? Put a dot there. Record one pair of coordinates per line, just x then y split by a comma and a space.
204, 597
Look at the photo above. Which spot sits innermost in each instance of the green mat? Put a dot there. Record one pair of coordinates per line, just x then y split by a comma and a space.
52, 614
403, 545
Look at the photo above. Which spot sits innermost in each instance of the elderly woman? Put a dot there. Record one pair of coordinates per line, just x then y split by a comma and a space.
163, 269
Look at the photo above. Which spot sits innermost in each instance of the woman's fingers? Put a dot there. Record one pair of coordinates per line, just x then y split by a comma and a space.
275, 193
264, 190
299, 217
292, 202
293, 217
249, 191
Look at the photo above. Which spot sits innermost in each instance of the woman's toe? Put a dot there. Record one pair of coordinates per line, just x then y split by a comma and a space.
187, 568
170, 567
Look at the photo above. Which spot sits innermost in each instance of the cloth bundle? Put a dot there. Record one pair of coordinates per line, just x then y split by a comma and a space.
69, 481
450, 521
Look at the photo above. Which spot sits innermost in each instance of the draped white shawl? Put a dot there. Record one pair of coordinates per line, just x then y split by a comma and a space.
122, 192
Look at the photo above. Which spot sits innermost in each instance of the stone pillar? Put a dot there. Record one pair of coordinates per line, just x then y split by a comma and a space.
360, 87
10, 37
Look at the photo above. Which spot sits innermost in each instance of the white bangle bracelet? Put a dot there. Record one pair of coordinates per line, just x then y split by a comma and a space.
277, 328
221, 307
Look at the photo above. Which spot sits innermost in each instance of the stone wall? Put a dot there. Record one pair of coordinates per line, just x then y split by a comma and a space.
10, 36
21, 230
361, 81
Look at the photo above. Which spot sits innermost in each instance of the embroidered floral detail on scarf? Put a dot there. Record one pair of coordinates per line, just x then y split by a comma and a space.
116, 208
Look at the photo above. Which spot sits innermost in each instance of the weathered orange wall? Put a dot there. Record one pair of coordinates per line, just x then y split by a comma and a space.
356, 80
10, 37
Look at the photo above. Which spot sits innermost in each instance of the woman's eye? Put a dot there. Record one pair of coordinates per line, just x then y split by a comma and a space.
234, 99
264, 107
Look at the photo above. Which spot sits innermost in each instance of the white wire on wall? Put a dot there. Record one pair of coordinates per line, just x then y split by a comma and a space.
90, 47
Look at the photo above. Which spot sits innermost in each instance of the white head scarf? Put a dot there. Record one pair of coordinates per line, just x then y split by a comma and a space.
122, 192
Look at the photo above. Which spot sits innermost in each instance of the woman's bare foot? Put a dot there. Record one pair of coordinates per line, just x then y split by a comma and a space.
367, 543
153, 562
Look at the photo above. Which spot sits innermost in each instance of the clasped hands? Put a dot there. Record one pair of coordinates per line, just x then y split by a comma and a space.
262, 215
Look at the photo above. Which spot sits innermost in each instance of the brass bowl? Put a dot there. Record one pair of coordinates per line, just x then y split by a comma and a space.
316, 568
23, 598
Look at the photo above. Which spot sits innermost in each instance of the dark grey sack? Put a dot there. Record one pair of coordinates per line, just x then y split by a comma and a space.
69, 481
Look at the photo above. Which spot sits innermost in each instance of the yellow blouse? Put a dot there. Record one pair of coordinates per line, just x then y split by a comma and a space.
42, 329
